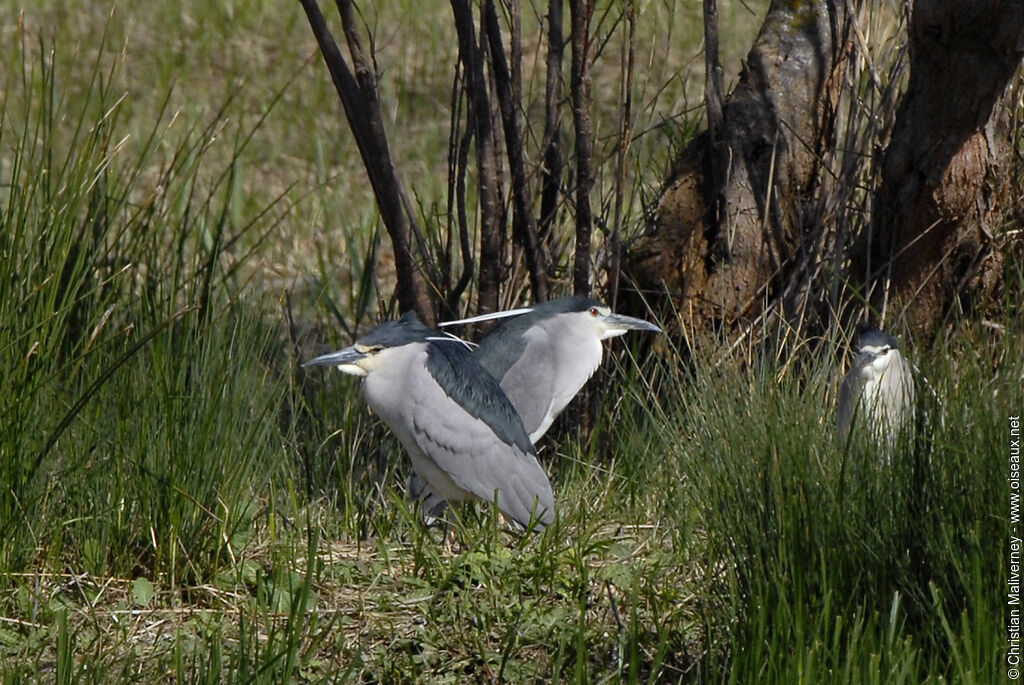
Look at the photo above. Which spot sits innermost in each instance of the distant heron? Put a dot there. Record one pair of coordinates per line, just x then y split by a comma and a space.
878, 389
542, 356
463, 436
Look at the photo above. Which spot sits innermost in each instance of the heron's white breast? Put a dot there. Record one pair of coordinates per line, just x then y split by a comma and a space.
578, 354
387, 386
397, 389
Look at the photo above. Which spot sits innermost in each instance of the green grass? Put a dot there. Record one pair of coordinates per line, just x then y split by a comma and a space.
179, 501
845, 562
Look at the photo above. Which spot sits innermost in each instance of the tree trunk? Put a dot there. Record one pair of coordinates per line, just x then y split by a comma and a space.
728, 225
945, 175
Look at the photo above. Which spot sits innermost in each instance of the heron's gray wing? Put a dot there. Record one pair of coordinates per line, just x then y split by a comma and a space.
529, 385
467, 450
849, 394
474, 435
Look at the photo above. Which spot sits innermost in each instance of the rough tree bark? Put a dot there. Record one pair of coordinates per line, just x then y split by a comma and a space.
945, 175
728, 224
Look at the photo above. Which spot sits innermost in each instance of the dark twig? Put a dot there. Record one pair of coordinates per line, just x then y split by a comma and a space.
551, 174
509, 90
625, 134
358, 94
712, 70
713, 98
480, 117
458, 153
580, 13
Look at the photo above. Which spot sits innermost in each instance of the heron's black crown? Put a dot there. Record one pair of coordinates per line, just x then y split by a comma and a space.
403, 331
877, 339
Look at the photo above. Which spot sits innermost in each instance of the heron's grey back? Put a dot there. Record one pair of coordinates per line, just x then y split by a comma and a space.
467, 382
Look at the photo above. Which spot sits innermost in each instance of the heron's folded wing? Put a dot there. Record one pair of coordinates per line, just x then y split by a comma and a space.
472, 455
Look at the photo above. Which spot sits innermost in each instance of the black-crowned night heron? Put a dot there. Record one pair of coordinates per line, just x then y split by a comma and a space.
878, 389
462, 434
542, 356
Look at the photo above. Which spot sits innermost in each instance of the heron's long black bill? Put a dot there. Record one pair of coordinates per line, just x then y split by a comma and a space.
347, 356
631, 324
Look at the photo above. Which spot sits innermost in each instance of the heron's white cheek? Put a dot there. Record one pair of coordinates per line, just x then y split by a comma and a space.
608, 333
392, 361
871, 371
389, 377
352, 369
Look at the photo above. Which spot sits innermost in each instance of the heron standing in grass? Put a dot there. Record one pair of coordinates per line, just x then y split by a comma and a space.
878, 389
542, 356
463, 436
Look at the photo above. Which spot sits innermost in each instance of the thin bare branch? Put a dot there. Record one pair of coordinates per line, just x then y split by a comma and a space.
712, 70
625, 134
508, 85
458, 162
718, 154
480, 115
580, 13
358, 94
551, 174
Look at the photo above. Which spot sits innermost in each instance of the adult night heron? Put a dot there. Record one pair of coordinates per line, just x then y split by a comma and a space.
462, 434
878, 389
542, 356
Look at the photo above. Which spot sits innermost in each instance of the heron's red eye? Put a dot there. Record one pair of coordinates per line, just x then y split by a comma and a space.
593, 311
